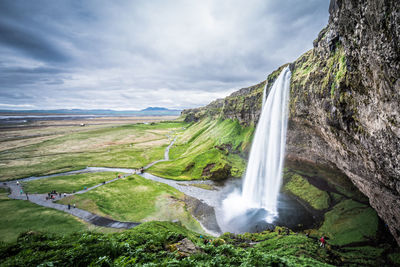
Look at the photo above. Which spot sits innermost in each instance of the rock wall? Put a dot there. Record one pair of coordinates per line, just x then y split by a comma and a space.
344, 103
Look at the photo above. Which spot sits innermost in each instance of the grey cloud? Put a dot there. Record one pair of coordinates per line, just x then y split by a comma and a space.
133, 54
29, 43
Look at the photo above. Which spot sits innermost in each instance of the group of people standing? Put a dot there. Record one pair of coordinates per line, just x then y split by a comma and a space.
53, 194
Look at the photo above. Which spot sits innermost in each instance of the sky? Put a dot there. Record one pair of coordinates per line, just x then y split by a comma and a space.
129, 55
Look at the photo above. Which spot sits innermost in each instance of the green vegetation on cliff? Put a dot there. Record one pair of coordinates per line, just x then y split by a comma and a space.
156, 244
350, 222
208, 149
301, 188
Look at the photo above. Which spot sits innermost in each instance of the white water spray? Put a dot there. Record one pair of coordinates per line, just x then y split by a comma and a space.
263, 178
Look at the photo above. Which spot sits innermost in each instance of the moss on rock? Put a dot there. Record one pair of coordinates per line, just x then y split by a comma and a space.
301, 188
350, 222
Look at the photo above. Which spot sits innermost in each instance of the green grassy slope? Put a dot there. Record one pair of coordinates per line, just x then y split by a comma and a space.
154, 244
136, 199
20, 216
209, 149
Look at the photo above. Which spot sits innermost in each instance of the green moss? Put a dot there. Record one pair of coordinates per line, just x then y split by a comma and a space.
333, 86
350, 222
362, 256
301, 188
395, 258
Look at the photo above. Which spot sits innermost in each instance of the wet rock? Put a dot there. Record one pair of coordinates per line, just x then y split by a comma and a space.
344, 102
204, 213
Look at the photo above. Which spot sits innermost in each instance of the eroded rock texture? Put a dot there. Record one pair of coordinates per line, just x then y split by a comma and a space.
344, 102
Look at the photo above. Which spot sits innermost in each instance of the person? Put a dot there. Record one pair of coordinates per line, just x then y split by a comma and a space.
20, 191
322, 240
27, 198
74, 206
65, 194
69, 206
17, 183
59, 195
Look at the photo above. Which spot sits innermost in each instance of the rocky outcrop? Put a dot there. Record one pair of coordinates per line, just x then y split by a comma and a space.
243, 105
345, 102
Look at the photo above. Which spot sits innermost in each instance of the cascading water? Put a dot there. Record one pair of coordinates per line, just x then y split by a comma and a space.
264, 170
262, 182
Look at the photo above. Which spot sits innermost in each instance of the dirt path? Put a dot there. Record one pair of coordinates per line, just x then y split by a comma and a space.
40, 199
166, 155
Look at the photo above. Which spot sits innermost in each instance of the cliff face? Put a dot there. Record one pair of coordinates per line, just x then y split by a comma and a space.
345, 102
243, 105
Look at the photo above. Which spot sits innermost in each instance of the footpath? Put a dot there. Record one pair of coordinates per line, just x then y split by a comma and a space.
41, 199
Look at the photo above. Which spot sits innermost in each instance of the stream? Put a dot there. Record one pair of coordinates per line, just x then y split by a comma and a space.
291, 213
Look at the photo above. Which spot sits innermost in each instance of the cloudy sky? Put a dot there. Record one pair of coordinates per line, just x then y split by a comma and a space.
133, 54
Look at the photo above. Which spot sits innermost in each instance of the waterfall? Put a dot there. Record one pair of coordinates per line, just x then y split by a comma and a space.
264, 170
263, 178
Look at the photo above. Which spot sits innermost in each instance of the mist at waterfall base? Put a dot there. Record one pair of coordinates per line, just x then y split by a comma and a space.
257, 203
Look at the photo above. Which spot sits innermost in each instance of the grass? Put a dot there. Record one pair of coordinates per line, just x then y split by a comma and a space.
363, 256
68, 183
350, 222
153, 243
302, 189
136, 199
214, 143
203, 186
25, 216
129, 146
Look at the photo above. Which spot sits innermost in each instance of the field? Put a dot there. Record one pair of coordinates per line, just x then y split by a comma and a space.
57, 146
128, 146
20, 216
136, 199
68, 183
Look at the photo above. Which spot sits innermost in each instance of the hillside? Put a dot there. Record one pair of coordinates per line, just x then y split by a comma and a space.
344, 104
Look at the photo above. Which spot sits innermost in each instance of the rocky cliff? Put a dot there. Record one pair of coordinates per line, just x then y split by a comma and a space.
345, 102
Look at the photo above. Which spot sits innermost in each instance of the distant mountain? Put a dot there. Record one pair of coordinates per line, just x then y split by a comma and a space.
155, 109
150, 111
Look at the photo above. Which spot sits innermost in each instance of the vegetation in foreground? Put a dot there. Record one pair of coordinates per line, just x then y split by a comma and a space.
20, 216
209, 149
136, 199
156, 243
68, 183
128, 146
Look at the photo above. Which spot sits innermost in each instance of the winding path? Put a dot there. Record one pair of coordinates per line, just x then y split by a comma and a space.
166, 155
40, 199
